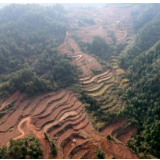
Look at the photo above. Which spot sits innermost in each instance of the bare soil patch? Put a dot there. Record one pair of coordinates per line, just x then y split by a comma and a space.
126, 134
111, 127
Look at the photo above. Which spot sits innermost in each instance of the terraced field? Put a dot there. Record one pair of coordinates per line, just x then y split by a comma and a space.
62, 116
104, 87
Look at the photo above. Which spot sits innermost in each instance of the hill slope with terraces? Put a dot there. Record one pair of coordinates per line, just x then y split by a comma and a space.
73, 100
63, 117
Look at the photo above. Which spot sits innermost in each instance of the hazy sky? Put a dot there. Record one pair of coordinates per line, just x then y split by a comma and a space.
67, 5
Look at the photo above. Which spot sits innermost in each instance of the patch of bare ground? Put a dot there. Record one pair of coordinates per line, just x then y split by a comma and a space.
84, 61
109, 128
73, 141
11, 99
55, 130
42, 104
34, 102
126, 134
113, 149
50, 105
6, 136
12, 119
49, 113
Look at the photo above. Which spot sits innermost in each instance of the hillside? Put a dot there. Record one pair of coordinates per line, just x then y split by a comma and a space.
142, 97
30, 33
80, 82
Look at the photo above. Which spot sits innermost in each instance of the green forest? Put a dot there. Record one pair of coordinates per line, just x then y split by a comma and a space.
141, 59
24, 148
28, 59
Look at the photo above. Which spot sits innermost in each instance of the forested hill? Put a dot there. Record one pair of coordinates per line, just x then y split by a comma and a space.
27, 30
146, 37
29, 34
141, 59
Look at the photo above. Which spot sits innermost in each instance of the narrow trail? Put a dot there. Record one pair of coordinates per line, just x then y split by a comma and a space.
78, 57
37, 134
20, 129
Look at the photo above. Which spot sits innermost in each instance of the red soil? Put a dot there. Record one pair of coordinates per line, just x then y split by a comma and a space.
112, 126
42, 105
11, 99
70, 145
116, 150
13, 118
4, 118
68, 124
81, 125
70, 120
27, 110
89, 61
126, 134
6, 136
78, 154
53, 103
73, 105
38, 134
92, 132
50, 115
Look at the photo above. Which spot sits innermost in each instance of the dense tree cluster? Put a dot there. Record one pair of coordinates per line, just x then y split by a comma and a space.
56, 68
24, 148
142, 61
142, 41
29, 35
141, 18
52, 71
26, 30
92, 103
26, 81
100, 48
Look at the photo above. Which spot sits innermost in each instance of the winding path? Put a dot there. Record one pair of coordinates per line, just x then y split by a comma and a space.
78, 57
37, 134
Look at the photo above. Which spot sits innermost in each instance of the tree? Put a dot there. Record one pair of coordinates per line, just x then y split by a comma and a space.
100, 154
